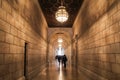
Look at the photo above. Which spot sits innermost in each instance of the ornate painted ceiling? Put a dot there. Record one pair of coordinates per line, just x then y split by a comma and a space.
49, 8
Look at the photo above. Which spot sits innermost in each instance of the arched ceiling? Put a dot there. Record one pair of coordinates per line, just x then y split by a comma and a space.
56, 34
66, 40
49, 8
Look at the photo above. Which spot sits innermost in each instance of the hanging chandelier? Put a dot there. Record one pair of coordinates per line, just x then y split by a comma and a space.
61, 15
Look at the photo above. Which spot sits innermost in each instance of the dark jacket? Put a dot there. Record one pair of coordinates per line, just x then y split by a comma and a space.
64, 59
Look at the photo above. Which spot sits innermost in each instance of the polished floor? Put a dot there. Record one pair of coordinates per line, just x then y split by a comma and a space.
56, 72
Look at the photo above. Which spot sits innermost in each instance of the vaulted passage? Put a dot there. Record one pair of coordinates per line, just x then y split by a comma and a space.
32, 41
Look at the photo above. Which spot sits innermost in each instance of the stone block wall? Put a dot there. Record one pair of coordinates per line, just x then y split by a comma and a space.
68, 54
51, 53
98, 28
21, 21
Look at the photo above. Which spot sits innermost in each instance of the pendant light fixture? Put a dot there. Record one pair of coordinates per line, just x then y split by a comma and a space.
61, 15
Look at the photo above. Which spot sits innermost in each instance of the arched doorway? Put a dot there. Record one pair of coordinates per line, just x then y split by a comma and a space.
59, 43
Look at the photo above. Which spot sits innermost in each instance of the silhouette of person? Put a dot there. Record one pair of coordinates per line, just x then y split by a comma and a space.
59, 59
64, 60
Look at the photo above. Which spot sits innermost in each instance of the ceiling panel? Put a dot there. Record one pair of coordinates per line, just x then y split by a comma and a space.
49, 8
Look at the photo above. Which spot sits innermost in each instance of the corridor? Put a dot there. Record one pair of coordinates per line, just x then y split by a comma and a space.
54, 72
37, 34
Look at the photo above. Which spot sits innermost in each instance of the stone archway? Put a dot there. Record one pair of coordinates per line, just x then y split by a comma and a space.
53, 35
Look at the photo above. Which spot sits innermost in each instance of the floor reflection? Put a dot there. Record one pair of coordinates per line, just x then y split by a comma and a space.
55, 72
60, 74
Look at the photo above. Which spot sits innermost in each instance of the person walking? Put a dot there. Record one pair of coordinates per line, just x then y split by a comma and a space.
59, 60
64, 60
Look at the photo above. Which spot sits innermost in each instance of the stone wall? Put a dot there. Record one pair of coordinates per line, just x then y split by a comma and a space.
51, 53
21, 21
68, 54
98, 28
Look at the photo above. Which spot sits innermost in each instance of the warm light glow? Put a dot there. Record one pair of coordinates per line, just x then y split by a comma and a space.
60, 40
59, 45
60, 51
60, 73
61, 15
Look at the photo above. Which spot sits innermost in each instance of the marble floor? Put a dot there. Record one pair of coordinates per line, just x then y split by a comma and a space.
56, 72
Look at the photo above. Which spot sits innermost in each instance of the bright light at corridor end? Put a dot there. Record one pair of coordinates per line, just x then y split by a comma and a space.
60, 45
60, 40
